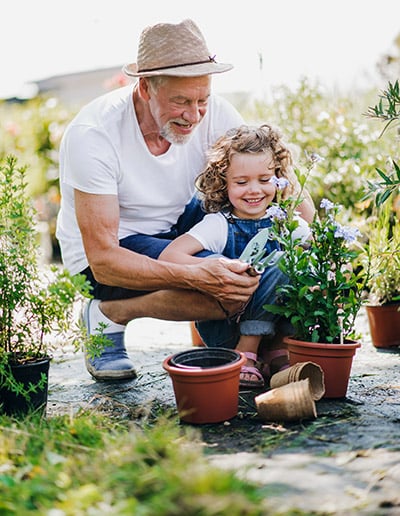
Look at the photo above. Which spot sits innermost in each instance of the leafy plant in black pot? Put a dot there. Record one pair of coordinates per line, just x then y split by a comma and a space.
36, 301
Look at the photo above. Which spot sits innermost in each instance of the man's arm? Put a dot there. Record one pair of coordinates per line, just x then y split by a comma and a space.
98, 219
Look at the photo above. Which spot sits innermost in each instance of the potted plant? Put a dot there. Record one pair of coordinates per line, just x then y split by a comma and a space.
324, 293
383, 254
383, 309
36, 301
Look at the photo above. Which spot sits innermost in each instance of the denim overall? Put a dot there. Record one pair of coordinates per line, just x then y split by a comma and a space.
255, 320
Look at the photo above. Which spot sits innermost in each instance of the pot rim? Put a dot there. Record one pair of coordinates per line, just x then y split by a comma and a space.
349, 343
31, 362
199, 371
391, 304
208, 351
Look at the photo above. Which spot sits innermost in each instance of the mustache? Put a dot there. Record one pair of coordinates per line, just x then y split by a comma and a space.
181, 121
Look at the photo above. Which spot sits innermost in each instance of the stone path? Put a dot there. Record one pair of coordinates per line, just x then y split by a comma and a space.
346, 462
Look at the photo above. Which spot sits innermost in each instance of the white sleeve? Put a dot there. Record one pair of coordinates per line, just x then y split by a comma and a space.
90, 161
211, 232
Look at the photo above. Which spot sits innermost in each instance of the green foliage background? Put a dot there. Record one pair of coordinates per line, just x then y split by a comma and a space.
337, 129
32, 132
312, 118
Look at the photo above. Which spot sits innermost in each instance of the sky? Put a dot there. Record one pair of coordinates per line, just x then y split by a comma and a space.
334, 42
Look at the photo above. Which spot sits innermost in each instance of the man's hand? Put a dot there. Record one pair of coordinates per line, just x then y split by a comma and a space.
225, 280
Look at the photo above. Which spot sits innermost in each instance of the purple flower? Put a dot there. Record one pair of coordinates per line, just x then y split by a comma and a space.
327, 205
315, 158
274, 212
280, 182
331, 276
347, 233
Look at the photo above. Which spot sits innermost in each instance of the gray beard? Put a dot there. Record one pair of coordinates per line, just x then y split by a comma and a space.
176, 139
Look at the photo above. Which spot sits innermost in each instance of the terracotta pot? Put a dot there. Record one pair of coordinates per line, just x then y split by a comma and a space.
196, 338
384, 325
206, 393
31, 372
334, 359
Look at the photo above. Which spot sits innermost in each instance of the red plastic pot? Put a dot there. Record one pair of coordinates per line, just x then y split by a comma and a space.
206, 394
384, 325
334, 359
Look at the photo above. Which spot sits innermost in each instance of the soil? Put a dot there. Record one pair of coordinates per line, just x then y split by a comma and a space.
346, 461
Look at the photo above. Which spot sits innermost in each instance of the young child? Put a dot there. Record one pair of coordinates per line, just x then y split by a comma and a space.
246, 167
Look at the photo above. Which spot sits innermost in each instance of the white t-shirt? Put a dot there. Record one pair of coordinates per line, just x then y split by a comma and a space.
103, 152
212, 232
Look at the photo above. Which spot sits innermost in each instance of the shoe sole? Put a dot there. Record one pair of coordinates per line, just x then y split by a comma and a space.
109, 374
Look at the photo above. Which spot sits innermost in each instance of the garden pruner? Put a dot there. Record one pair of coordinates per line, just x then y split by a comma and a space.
254, 253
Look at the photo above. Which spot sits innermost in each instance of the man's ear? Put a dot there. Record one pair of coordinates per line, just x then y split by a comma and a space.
144, 88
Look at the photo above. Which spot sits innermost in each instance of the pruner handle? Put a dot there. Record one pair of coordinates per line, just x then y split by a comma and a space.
251, 271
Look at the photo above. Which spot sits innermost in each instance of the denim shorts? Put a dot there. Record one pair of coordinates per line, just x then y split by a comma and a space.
149, 245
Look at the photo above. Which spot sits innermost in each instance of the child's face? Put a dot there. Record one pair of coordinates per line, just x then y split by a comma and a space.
249, 188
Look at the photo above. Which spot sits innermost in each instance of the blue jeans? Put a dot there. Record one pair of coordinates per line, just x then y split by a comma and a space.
254, 321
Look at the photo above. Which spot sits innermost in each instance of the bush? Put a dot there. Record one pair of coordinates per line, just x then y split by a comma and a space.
335, 129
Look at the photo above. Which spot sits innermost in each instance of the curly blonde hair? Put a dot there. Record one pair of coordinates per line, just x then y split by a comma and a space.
212, 182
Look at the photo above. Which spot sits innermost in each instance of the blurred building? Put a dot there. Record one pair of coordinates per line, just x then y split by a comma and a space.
75, 89
81, 87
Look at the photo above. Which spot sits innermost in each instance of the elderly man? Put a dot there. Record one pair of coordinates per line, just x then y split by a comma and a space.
128, 162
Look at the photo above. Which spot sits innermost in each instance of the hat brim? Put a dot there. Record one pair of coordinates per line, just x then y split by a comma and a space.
194, 70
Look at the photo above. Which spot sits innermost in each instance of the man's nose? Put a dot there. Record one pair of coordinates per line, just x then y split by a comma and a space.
192, 114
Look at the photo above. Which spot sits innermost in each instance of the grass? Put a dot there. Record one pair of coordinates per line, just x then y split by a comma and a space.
90, 464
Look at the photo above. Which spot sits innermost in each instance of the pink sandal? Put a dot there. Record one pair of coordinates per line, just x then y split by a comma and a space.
253, 370
268, 357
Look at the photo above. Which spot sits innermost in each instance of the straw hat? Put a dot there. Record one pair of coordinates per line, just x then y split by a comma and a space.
179, 50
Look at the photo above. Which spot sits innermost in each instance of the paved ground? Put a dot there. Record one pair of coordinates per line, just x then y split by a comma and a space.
347, 461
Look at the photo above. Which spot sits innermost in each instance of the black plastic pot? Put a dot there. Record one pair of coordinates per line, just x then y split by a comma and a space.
30, 373
205, 358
